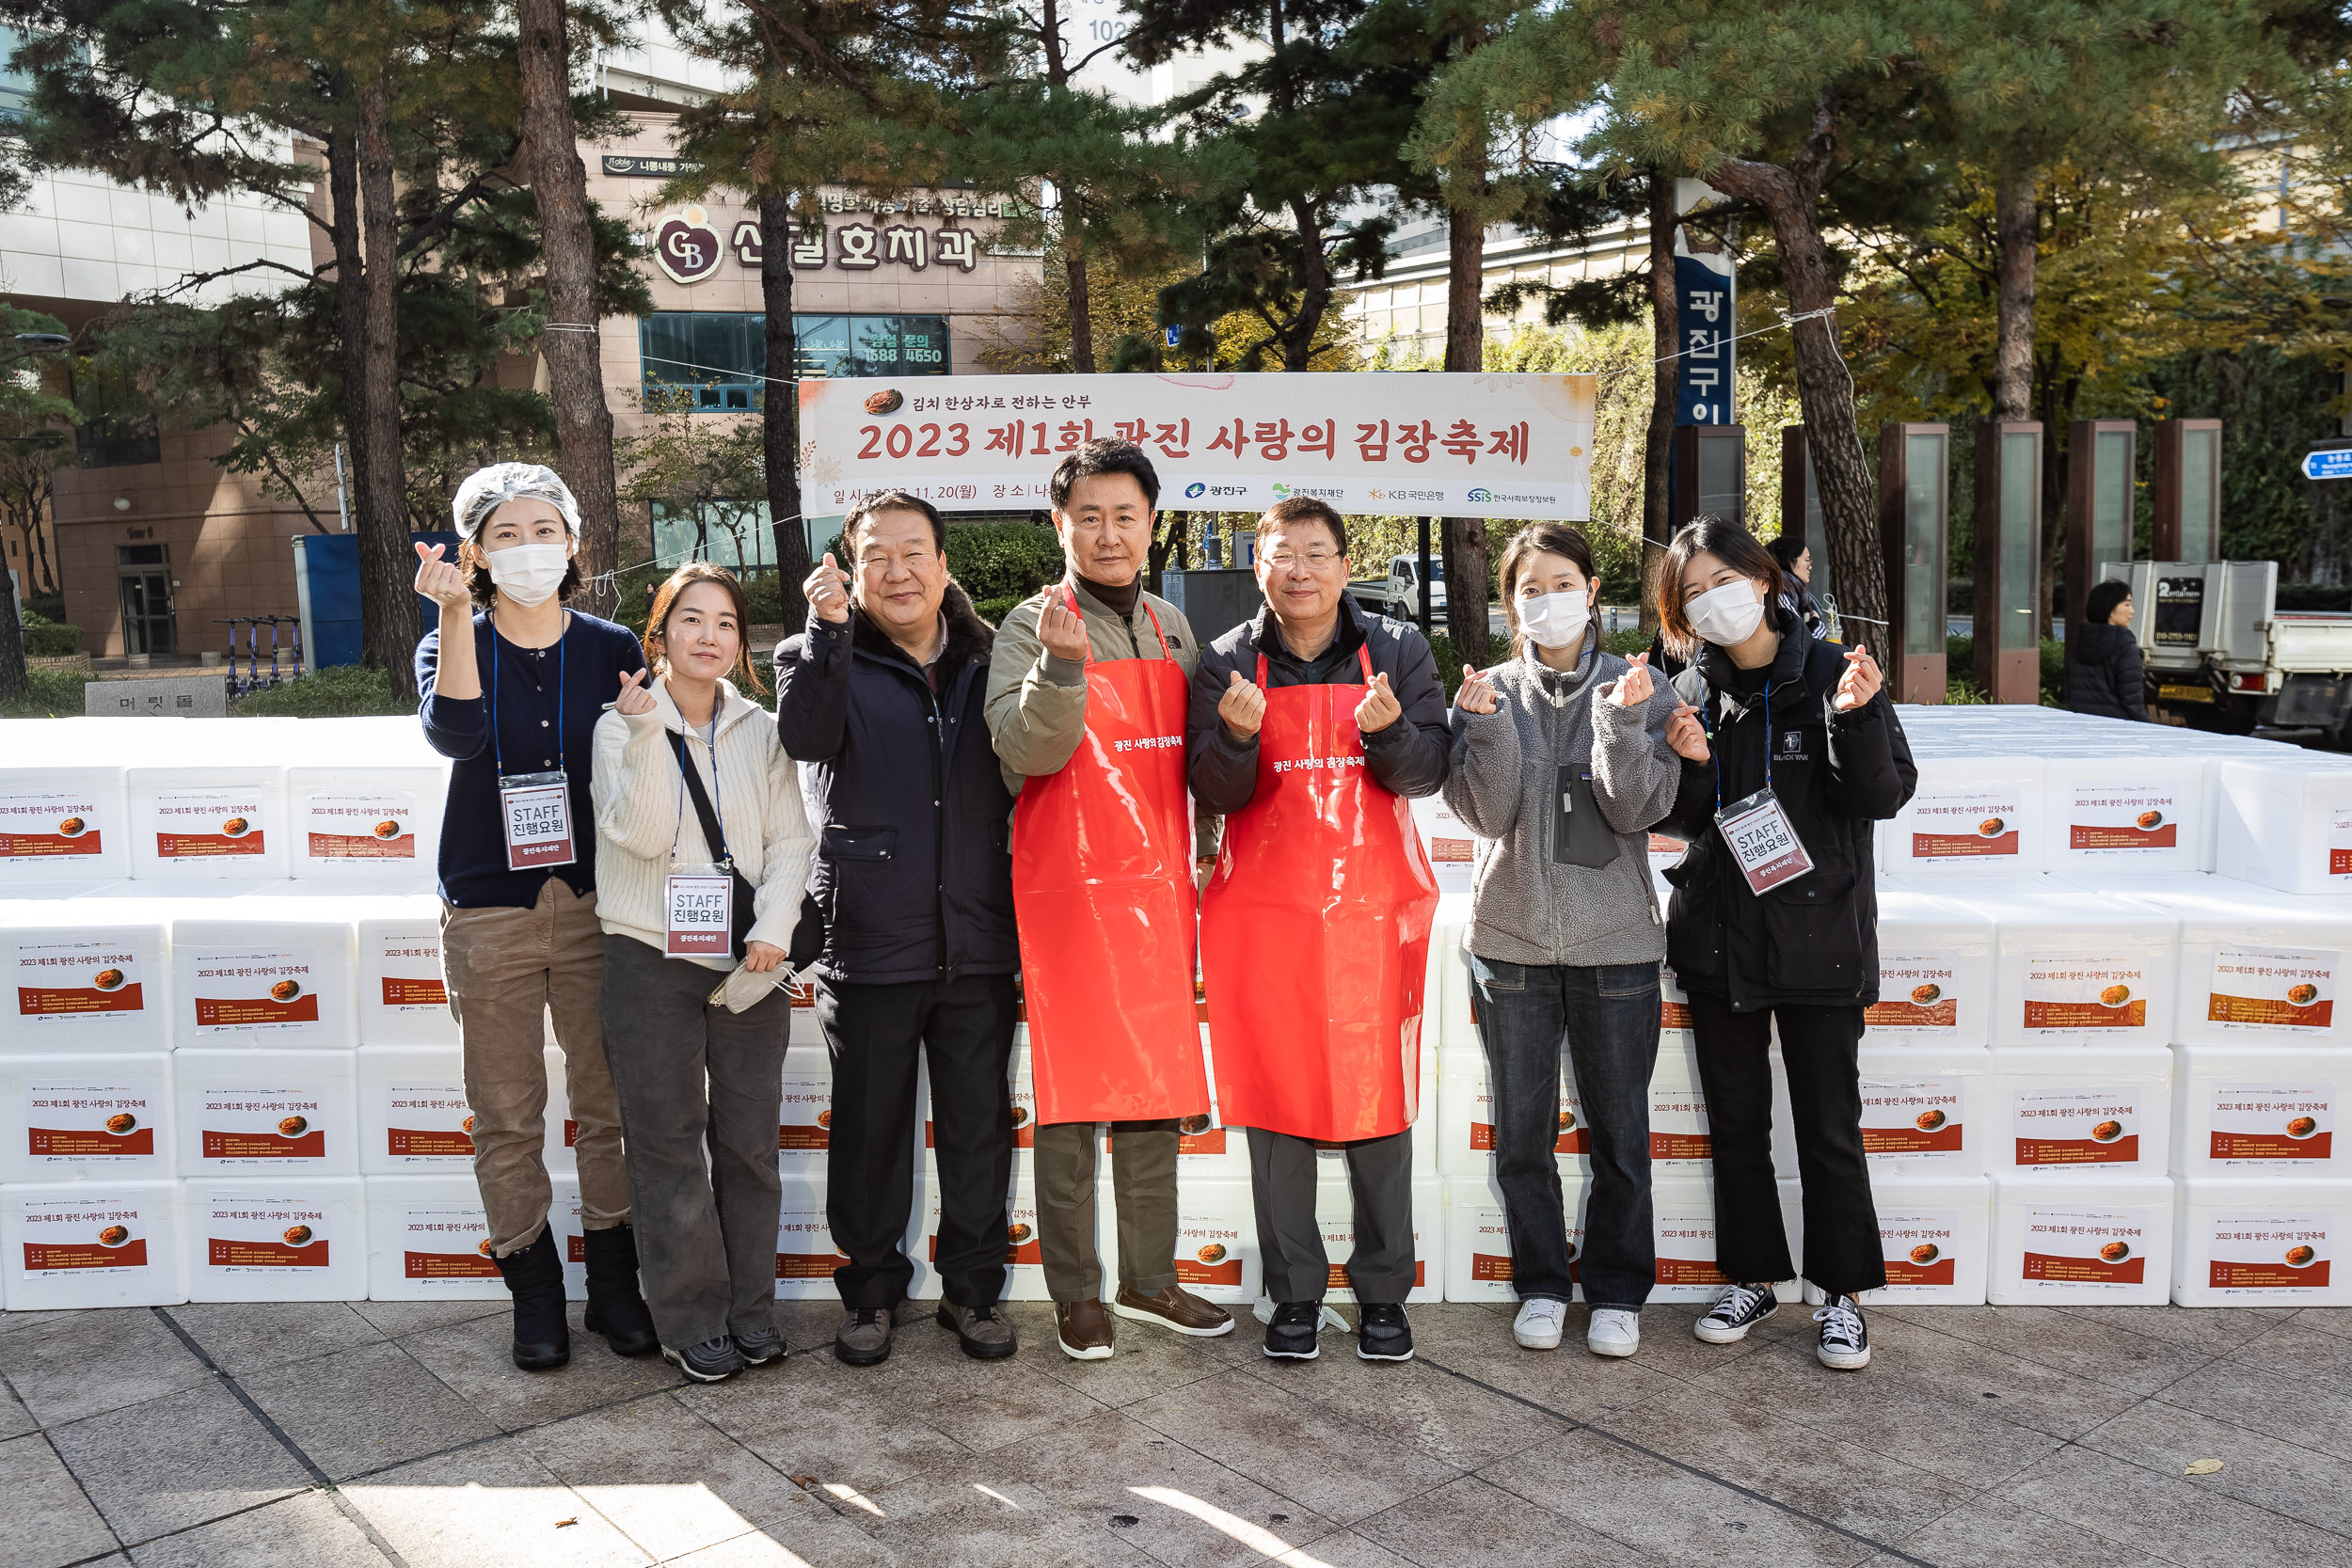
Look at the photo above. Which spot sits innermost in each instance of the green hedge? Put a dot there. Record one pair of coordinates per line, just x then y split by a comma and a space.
47, 639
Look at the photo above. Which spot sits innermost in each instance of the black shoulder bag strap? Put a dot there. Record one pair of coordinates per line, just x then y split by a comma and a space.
744, 913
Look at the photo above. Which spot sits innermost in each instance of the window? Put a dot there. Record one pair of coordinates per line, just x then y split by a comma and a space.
733, 534
16, 86
722, 355
118, 427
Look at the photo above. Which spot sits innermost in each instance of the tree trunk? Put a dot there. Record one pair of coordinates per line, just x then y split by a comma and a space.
1658, 448
388, 567
780, 439
16, 682
1824, 391
1314, 295
559, 183
2015, 222
1073, 261
1465, 350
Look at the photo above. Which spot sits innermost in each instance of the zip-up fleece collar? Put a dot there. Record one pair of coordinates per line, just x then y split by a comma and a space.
968, 639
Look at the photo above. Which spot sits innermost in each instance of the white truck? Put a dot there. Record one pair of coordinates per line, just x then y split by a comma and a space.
2222, 656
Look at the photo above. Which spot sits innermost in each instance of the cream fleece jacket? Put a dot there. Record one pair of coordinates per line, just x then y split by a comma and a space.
641, 808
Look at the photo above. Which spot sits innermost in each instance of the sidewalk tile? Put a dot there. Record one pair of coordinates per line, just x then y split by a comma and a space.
1432, 1410
1472, 1523
49, 1521
177, 1460
477, 1359
2169, 1516
2215, 1330
2306, 1354
394, 1318
365, 1409
306, 1530
491, 1504
1996, 1532
2106, 1351
817, 1417
2312, 1415
241, 1341
630, 1462
2285, 1478
75, 1364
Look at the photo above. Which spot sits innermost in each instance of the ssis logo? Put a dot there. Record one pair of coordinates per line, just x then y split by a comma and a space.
1194, 491
1480, 495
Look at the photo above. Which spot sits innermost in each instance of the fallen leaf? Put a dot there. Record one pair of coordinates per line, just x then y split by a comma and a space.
573, 1520
2202, 1467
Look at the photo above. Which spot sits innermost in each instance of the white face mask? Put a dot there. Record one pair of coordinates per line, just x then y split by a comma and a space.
528, 574
1555, 620
1727, 616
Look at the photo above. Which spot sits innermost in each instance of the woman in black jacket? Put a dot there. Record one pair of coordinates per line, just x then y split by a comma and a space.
2103, 674
1790, 752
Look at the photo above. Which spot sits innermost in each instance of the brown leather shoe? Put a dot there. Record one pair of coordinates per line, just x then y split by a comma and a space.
1175, 1307
1084, 1329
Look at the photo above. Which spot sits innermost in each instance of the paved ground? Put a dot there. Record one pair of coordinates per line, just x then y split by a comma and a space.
335, 1435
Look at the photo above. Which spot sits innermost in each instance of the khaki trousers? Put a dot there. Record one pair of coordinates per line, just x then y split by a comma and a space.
506, 970
1143, 1185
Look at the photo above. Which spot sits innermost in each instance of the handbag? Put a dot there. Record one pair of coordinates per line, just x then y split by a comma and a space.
740, 904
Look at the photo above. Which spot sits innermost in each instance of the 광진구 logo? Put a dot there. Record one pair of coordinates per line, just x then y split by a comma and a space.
1195, 490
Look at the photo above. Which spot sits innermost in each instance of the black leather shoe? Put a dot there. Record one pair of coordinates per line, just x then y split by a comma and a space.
1291, 1336
615, 1309
759, 1346
534, 1277
712, 1361
1383, 1334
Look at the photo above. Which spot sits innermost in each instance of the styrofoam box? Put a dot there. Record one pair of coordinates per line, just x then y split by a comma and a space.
1935, 973
2268, 1112
413, 1114
1448, 840
1683, 1224
279, 1115
806, 1253
561, 1149
207, 821
1680, 1142
2127, 814
364, 824
1217, 1257
1478, 1235
1674, 1006
1447, 989
402, 998
805, 1113
804, 1030
87, 974
571, 1233
282, 1238
2285, 822
429, 1240
1969, 819
86, 1118
1024, 1268
1935, 1235
263, 972
2091, 1108
1927, 1112
2080, 1239
2240, 1242
63, 824
91, 1244
2257, 966
2070, 968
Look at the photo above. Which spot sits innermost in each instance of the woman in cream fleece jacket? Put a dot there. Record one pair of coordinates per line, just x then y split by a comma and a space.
690, 1068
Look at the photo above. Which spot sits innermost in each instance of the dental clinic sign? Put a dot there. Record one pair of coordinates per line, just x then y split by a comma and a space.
1463, 445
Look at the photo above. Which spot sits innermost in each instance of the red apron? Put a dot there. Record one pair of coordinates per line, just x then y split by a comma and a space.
1314, 933
1102, 889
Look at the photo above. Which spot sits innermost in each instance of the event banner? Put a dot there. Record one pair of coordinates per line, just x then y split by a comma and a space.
1460, 445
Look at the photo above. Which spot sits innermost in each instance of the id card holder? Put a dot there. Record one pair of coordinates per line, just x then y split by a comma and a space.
1578, 835
1761, 840
701, 919
536, 810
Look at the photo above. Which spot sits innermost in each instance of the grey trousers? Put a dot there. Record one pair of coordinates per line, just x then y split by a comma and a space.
1143, 1185
706, 1238
1282, 1172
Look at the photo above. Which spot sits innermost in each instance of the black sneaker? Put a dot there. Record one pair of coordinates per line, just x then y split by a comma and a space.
759, 1346
1845, 1344
1739, 1309
712, 1361
1290, 1334
1383, 1334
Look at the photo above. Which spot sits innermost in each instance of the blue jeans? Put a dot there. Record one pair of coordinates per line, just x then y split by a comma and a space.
1608, 1016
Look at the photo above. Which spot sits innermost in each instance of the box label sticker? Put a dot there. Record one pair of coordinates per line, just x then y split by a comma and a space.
84, 1235
1678, 1126
360, 826
2281, 1123
1686, 1250
2275, 1254
2086, 995
2074, 1247
51, 825
446, 1243
1917, 995
2078, 1126
265, 1235
260, 1124
78, 979
428, 1121
240, 991
87, 1121
1965, 824
805, 1114
1208, 1253
194, 826
1576, 1135
2122, 822
1918, 1250
2272, 990
2340, 840
409, 968
1912, 1116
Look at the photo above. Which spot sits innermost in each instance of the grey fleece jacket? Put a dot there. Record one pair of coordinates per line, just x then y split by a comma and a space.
1528, 909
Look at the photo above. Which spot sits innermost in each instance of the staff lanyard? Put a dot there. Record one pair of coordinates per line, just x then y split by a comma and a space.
1716, 752
498, 751
718, 807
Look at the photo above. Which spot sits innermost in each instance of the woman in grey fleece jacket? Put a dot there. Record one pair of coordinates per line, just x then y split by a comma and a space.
1559, 766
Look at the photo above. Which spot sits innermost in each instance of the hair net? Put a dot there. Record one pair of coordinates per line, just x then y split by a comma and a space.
487, 489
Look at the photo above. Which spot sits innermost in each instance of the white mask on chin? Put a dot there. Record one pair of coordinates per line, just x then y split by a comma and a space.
1555, 620
528, 574
1727, 616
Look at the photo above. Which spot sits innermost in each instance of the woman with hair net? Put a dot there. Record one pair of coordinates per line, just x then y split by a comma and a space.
513, 683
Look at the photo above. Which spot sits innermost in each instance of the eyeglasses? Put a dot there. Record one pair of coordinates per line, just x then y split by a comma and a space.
1315, 560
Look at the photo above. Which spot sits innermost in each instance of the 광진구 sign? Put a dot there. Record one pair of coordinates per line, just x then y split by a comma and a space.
1462, 444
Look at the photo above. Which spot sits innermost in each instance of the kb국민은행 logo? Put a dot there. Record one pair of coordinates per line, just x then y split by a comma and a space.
686, 247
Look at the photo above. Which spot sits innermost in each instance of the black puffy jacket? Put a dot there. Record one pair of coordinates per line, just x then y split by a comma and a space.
913, 872
2105, 674
1812, 939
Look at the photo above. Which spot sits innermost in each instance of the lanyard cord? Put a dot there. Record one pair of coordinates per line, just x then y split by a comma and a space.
498, 751
716, 806
1716, 752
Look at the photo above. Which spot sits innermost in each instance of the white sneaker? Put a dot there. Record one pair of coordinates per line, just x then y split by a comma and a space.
1538, 1324
1615, 1331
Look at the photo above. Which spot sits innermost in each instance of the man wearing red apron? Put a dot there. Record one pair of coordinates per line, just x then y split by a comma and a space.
1085, 707
1309, 729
